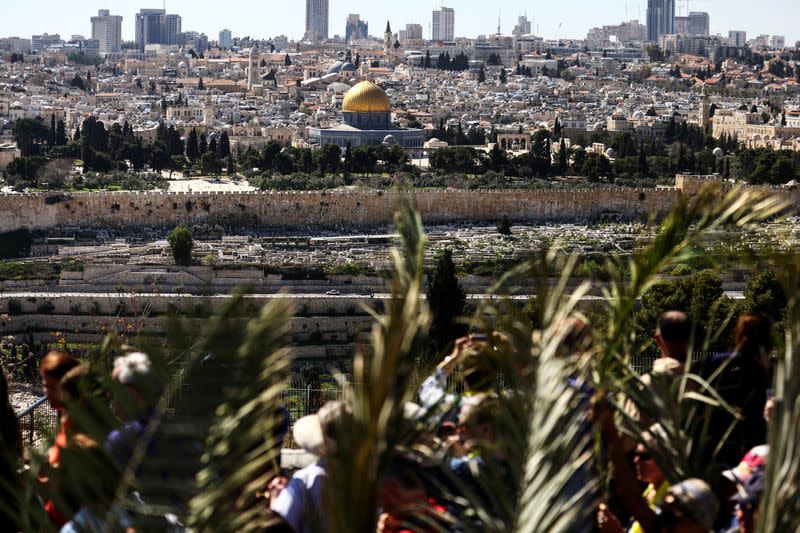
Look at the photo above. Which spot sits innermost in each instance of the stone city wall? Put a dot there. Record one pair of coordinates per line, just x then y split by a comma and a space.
323, 209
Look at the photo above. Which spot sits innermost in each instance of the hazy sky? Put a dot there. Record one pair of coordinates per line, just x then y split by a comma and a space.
266, 18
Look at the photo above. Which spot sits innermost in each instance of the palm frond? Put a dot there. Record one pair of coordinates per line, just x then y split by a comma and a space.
780, 504
241, 456
381, 386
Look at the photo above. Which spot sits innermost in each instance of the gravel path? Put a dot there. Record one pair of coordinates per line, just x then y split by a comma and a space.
23, 396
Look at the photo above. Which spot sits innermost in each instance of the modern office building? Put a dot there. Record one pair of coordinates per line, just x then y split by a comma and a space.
443, 25
697, 23
172, 30
737, 38
316, 20
155, 26
225, 39
149, 25
523, 27
107, 29
355, 28
660, 19
44, 41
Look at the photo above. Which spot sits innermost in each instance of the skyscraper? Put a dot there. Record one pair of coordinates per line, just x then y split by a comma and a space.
443, 26
154, 26
737, 38
660, 19
355, 29
172, 30
699, 23
316, 20
107, 29
523, 26
225, 39
149, 23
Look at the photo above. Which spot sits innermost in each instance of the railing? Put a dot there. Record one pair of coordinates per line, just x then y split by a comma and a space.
38, 422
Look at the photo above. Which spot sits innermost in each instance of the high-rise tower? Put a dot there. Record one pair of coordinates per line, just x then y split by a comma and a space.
660, 19
443, 24
316, 20
107, 29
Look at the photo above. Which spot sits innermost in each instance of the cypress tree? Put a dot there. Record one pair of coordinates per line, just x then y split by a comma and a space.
192, 151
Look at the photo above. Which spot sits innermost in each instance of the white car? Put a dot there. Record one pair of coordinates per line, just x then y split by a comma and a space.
333, 293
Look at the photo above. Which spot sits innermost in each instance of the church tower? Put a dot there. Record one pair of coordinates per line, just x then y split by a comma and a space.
388, 40
254, 69
704, 114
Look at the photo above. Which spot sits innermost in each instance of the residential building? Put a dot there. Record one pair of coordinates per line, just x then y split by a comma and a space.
749, 129
355, 28
225, 39
776, 42
698, 45
737, 38
412, 33
107, 29
316, 20
281, 42
697, 23
91, 47
625, 32
443, 27
523, 27
660, 19
18, 45
45, 41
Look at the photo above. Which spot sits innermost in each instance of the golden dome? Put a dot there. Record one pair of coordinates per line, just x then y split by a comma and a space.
366, 97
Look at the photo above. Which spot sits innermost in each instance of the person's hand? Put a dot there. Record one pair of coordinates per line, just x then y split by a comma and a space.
276, 486
607, 522
459, 347
386, 523
601, 414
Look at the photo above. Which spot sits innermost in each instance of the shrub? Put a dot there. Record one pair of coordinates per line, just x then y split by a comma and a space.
181, 244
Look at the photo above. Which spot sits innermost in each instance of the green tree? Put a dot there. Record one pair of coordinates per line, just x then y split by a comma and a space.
224, 145
700, 295
562, 157
764, 294
328, 159
503, 76
481, 75
192, 150
504, 228
30, 135
596, 166
447, 301
181, 244
200, 85
210, 164
61, 133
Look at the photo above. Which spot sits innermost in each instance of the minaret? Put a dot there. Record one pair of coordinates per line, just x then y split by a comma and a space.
388, 41
254, 69
704, 114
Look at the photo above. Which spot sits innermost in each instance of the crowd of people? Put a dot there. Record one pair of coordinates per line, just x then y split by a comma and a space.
467, 441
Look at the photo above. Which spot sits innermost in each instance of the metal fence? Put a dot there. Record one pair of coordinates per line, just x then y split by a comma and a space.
38, 423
